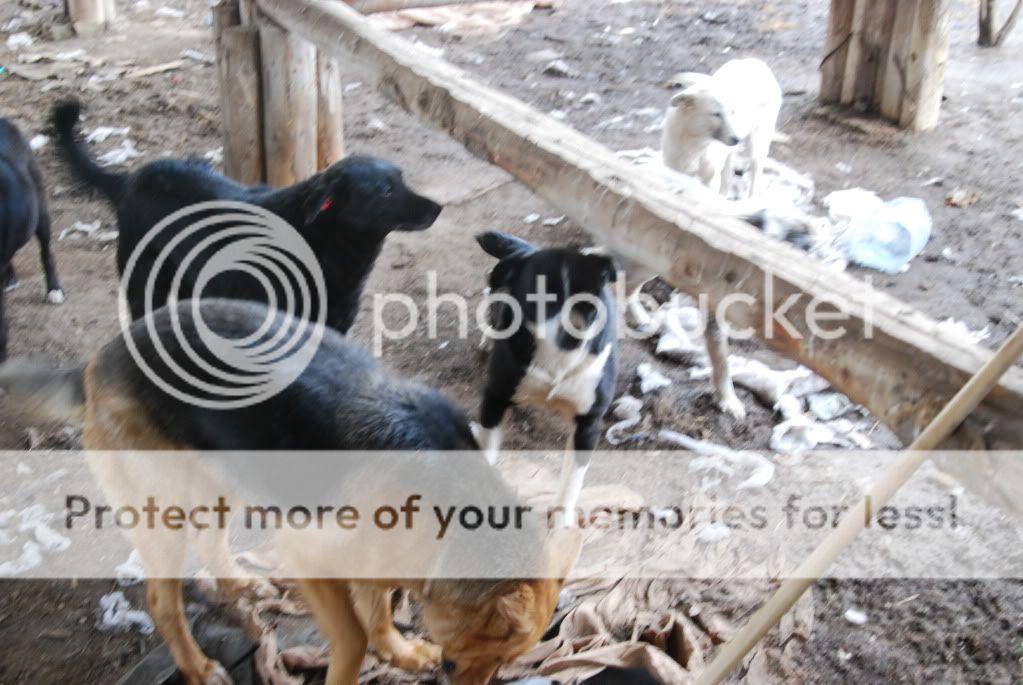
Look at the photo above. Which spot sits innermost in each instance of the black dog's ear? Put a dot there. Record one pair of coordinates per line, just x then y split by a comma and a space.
504, 272
501, 245
322, 196
605, 267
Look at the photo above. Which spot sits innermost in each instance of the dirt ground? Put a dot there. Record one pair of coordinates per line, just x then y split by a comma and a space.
919, 631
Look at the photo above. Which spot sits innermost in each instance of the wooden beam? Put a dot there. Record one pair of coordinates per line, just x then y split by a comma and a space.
374, 6
892, 359
241, 101
288, 65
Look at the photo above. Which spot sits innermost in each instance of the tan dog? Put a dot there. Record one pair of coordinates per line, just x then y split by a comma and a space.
344, 401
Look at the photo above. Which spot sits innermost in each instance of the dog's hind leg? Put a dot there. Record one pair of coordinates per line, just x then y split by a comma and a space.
162, 552
717, 351
167, 608
232, 580
331, 603
117, 435
373, 607
54, 293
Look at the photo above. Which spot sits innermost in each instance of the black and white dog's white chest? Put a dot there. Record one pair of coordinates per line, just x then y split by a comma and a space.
563, 379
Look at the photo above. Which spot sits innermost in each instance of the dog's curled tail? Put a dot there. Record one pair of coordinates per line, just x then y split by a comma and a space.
65, 120
502, 245
39, 390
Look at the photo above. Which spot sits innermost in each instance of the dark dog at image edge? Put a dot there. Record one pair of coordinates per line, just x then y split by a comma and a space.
342, 401
23, 213
562, 359
344, 214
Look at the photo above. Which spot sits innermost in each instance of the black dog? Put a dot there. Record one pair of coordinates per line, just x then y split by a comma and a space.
560, 357
23, 213
343, 213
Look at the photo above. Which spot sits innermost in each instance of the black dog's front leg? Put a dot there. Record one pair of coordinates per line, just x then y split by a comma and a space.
492, 410
504, 374
54, 293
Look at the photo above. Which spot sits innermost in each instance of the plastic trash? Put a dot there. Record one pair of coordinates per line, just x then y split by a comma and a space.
116, 615
888, 236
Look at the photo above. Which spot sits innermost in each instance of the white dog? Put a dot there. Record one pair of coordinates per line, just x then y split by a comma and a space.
705, 124
707, 120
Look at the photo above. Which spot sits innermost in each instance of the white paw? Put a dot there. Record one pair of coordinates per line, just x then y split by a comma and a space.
732, 405
11, 286
55, 297
218, 676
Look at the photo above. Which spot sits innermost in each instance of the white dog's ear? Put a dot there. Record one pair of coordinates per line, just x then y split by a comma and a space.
683, 98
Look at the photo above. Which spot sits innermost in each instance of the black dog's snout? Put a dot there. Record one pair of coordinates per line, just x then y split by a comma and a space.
433, 209
423, 212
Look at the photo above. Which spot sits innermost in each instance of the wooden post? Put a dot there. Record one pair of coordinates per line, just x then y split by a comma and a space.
289, 104
330, 121
888, 56
988, 34
91, 17
839, 37
893, 75
925, 68
241, 101
986, 28
247, 12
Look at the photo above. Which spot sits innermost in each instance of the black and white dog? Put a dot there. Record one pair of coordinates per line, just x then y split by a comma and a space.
23, 213
557, 351
344, 213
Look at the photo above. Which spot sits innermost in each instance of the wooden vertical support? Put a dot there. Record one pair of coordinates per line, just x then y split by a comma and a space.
833, 66
925, 68
109, 11
247, 12
880, 36
241, 102
892, 81
330, 121
986, 26
90, 17
857, 52
289, 105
